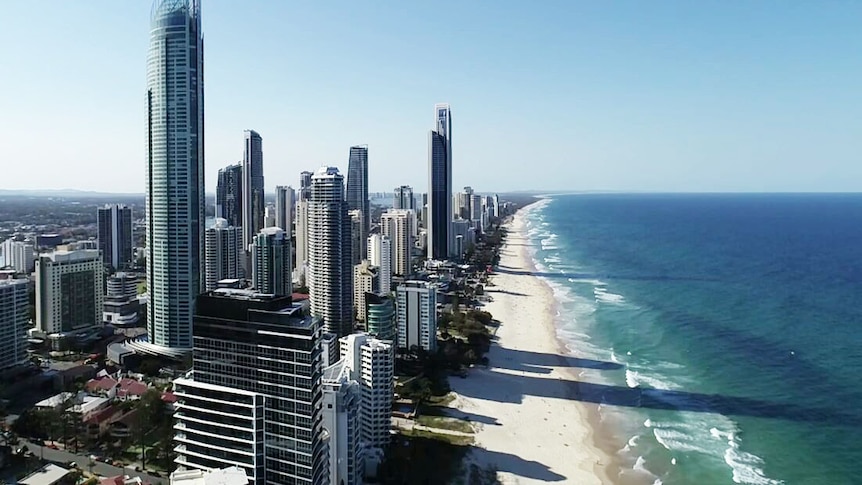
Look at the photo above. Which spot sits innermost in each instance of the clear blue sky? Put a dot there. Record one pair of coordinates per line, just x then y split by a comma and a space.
555, 95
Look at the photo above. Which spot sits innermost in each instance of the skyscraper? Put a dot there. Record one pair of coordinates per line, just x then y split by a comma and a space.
285, 205
69, 290
440, 184
18, 255
14, 314
264, 416
357, 192
380, 316
380, 255
175, 172
371, 362
404, 198
416, 315
305, 185
115, 235
224, 253
397, 224
365, 280
253, 203
229, 195
355, 234
341, 418
301, 257
271, 262
330, 274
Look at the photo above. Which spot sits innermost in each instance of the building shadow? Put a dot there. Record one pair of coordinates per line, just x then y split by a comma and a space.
509, 463
596, 276
512, 388
504, 292
471, 417
543, 363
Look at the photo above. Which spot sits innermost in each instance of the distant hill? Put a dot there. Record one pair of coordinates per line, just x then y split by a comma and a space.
62, 193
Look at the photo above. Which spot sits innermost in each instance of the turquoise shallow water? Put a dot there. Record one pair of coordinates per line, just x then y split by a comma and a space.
735, 321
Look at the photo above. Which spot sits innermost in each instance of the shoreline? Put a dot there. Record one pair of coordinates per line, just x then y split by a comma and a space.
531, 427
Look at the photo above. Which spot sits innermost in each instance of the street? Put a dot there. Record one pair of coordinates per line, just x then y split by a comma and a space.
63, 458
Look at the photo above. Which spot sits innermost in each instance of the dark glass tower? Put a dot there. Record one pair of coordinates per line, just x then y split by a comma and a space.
253, 203
357, 193
440, 185
115, 235
229, 195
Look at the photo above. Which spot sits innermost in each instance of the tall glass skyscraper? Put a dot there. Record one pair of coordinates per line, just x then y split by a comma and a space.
253, 203
440, 184
357, 193
229, 194
175, 205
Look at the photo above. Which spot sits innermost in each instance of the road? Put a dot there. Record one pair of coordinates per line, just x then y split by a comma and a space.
103, 469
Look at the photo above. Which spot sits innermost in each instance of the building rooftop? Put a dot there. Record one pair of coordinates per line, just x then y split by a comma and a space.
226, 476
47, 475
55, 400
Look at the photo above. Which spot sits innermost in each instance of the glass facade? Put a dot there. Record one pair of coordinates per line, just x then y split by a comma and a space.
175, 206
440, 185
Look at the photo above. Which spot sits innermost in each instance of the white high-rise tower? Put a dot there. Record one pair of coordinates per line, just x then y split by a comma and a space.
175, 205
330, 272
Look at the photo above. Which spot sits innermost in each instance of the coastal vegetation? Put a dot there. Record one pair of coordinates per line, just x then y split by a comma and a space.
419, 454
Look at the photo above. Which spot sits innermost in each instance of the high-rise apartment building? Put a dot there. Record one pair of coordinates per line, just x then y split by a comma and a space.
476, 209
397, 225
440, 184
301, 256
265, 415
330, 274
175, 203
365, 280
380, 316
69, 290
271, 262
357, 193
355, 235
416, 315
404, 198
229, 195
121, 305
253, 203
380, 255
285, 205
341, 418
269, 216
224, 253
115, 238
305, 185
371, 363
19, 255
14, 314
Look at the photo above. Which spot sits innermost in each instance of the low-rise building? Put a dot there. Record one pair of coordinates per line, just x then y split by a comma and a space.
225, 476
49, 474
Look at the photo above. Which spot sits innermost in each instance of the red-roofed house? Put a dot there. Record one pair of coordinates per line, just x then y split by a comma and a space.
104, 386
97, 424
170, 400
131, 389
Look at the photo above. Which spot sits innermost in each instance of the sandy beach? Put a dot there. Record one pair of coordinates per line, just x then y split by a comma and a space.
527, 425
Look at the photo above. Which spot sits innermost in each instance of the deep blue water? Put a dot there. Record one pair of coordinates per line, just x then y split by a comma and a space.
736, 321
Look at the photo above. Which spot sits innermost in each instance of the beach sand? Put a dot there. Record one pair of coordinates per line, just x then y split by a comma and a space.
528, 427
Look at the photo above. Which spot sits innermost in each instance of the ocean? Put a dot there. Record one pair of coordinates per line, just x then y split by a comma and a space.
720, 333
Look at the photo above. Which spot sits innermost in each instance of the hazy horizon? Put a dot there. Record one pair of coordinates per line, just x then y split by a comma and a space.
623, 97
